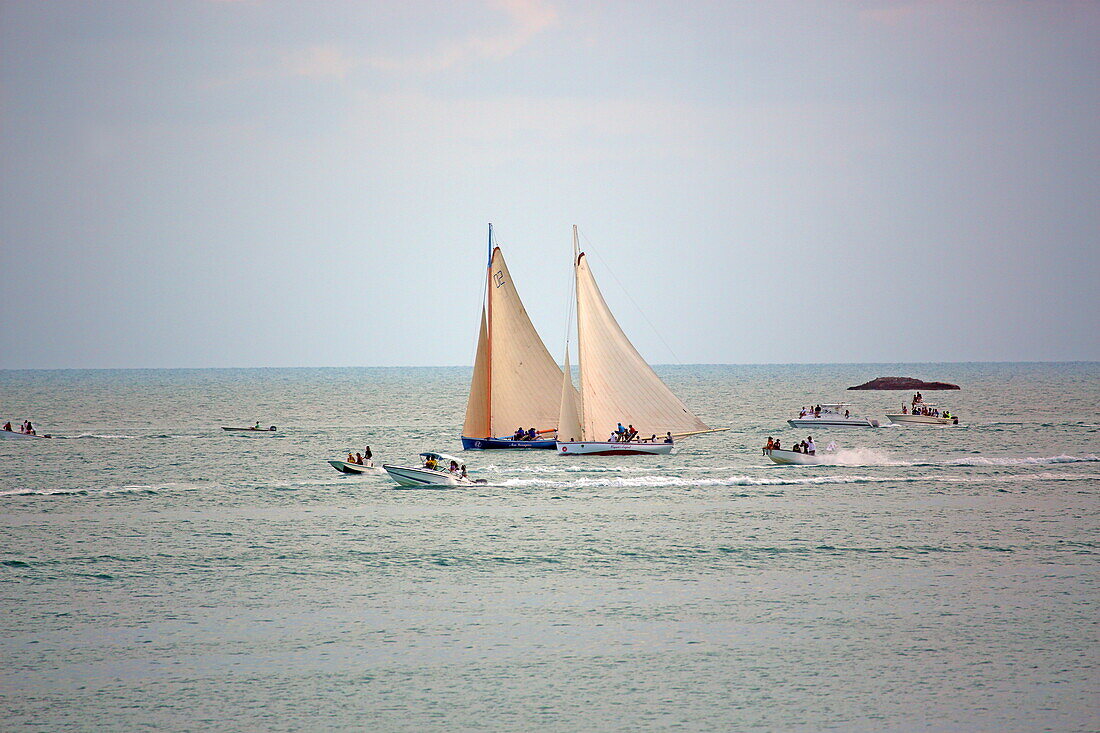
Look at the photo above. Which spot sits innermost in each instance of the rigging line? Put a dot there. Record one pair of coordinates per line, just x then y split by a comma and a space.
634, 302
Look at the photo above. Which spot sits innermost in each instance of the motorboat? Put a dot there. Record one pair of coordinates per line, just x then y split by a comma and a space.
516, 381
835, 415
617, 386
434, 470
14, 435
795, 458
252, 430
922, 414
367, 466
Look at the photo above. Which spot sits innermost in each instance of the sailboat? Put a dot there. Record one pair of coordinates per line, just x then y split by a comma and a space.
516, 383
617, 386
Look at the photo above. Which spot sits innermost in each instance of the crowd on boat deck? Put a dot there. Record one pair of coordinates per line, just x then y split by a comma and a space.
630, 435
807, 446
529, 434
26, 428
816, 412
926, 410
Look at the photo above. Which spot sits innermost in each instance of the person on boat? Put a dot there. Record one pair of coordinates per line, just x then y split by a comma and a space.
668, 437
631, 433
810, 447
803, 412
845, 414
775, 445
351, 458
30, 428
256, 426
454, 467
367, 454
620, 431
358, 459
462, 470
652, 438
431, 463
532, 434
7, 426
767, 446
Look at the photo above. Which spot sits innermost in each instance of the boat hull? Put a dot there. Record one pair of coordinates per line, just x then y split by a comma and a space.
832, 422
355, 468
923, 419
506, 444
414, 477
12, 435
592, 448
250, 431
790, 458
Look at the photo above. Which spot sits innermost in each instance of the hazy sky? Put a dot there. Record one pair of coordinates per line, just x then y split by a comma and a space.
256, 183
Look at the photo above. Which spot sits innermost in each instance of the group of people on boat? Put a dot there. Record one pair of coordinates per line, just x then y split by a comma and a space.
362, 459
807, 446
26, 428
816, 412
927, 410
529, 434
456, 468
629, 435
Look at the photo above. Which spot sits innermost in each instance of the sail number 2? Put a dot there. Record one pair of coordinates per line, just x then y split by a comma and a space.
498, 276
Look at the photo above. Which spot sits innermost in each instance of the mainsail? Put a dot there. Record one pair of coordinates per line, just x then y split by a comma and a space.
617, 385
516, 382
569, 422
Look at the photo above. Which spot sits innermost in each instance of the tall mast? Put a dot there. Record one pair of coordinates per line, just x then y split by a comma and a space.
489, 334
580, 346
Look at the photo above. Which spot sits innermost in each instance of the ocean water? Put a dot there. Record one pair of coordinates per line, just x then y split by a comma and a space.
159, 573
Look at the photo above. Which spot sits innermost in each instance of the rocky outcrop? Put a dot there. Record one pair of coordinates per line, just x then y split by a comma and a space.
907, 383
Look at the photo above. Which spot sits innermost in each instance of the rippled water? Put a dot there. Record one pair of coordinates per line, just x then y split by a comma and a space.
158, 572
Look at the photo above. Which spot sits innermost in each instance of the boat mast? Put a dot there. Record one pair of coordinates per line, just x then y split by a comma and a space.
489, 336
580, 343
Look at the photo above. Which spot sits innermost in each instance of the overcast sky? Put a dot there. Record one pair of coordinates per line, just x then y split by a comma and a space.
256, 183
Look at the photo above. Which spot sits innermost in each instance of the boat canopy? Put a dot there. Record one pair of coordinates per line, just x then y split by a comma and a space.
439, 457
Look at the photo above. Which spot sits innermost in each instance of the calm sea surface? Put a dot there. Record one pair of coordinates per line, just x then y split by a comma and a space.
158, 573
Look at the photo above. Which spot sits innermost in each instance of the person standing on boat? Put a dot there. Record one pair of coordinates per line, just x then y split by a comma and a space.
767, 447
620, 431
811, 449
367, 455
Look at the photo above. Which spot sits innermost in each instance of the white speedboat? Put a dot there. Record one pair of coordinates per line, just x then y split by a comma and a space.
917, 416
832, 416
434, 470
359, 468
254, 430
790, 457
13, 435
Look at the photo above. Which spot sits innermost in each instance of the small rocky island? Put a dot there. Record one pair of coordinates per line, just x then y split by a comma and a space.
907, 383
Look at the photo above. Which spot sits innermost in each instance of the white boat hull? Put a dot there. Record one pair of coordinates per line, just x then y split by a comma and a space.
832, 422
345, 467
12, 435
249, 431
923, 419
410, 476
591, 448
790, 458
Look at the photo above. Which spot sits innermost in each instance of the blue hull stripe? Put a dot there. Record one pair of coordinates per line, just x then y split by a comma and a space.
506, 444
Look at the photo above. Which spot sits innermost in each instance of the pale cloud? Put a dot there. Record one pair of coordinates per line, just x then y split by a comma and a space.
529, 18
320, 62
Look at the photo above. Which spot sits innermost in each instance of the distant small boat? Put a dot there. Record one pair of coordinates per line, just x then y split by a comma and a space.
249, 430
790, 457
428, 473
832, 416
13, 435
357, 468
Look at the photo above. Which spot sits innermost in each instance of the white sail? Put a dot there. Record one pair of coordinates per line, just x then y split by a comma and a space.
617, 385
522, 385
569, 423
